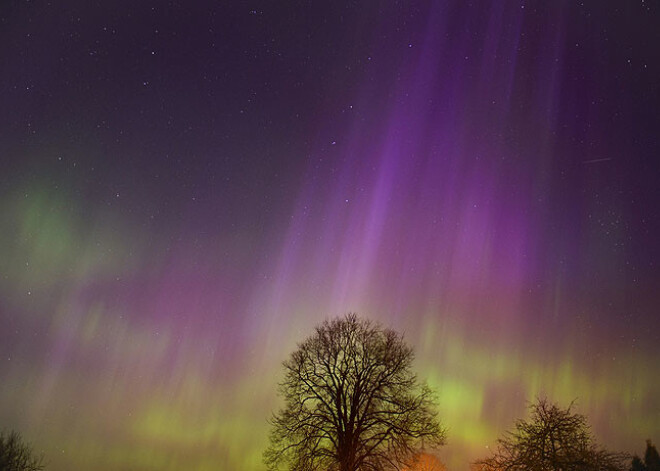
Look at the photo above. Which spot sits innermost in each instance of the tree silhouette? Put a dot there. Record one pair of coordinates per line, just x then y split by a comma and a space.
16, 455
637, 464
351, 402
553, 439
651, 457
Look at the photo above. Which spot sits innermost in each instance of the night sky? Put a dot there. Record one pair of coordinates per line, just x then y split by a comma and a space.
188, 187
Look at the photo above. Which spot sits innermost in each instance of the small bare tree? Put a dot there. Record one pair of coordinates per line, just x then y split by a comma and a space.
351, 402
553, 439
16, 455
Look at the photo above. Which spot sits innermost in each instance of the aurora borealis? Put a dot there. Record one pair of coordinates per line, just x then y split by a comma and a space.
188, 188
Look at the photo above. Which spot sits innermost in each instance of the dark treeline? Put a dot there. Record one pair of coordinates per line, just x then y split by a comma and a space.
651, 461
352, 403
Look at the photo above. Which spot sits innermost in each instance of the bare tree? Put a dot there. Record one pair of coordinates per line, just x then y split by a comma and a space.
553, 439
16, 455
352, 402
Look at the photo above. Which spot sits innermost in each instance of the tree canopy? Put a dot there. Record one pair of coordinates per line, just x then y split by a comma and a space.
352, 402
16, 455
552, 439
651, 460
651, 457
